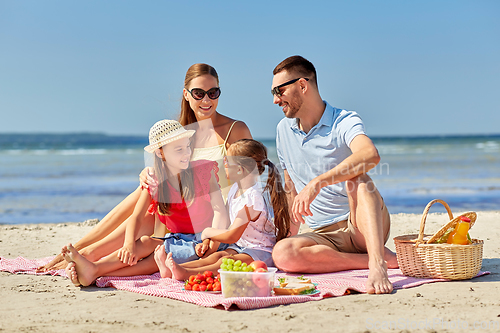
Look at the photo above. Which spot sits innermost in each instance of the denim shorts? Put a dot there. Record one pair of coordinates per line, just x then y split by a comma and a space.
183, 246
254, 253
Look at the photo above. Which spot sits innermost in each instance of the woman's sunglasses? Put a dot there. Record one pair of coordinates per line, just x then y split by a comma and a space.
199, 94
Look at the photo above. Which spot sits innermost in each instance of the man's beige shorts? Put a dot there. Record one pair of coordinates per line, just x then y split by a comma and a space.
343, 236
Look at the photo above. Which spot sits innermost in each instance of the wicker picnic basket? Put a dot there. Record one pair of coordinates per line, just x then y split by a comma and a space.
418, 257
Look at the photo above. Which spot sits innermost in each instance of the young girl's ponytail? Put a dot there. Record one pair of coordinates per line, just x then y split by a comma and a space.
278, 201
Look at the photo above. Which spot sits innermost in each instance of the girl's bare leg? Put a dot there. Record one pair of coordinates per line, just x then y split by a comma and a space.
181, 273
115, 239
146, 266
210, 259
106, 226
160, 259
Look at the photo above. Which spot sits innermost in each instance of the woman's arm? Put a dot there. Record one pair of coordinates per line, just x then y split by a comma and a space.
147, 178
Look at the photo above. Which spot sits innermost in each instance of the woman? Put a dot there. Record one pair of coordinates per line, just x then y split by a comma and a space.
214, 134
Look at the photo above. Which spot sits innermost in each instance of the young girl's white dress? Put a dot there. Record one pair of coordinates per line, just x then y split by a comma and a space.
259, 234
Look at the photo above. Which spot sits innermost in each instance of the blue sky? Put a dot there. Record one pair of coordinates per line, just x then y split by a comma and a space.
407, 67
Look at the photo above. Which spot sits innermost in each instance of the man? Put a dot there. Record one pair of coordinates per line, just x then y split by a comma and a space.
325, 155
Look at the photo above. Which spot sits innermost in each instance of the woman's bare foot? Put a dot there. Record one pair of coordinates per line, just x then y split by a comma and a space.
71, 273
55, 264
178, 272
161, 258
86, 271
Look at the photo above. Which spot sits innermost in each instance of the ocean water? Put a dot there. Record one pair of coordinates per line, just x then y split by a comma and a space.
70, 178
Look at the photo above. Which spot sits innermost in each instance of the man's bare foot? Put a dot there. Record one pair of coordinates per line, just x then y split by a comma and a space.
86, 271
55, 264
161, 258
178, 272
71, 273
378, 280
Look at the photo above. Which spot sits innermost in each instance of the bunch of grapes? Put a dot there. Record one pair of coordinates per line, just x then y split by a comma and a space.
229, 264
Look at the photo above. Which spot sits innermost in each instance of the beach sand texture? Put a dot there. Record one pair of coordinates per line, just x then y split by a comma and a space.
53, 304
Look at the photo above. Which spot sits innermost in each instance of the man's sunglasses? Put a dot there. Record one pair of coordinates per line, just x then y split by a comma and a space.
199, 94
276, 90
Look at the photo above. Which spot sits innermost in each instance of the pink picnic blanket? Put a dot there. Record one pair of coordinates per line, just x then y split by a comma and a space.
329, 284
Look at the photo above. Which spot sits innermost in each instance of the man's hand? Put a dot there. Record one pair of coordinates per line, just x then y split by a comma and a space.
127, 254
147, 178
302, 201
202, 247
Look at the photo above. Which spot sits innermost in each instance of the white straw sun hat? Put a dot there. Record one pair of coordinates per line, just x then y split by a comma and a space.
166, 131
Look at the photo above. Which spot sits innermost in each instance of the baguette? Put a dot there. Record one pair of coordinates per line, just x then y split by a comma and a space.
292, 279
293, 288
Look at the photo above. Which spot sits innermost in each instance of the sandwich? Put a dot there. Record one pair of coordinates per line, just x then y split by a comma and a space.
293, 279
295, 288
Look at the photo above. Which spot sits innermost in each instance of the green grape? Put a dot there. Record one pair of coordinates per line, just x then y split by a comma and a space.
223, 267
236, 268
237, 263
244, 265
229, 267
224, 260
230, 261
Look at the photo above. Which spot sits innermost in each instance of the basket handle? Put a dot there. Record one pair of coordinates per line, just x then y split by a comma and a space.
420, 238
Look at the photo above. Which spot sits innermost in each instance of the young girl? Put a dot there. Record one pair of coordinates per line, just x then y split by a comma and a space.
251, 211
187, 200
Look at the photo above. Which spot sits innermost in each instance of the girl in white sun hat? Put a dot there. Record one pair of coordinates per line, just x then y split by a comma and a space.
187, 200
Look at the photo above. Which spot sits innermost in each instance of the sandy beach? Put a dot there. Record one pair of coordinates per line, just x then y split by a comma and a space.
53, 304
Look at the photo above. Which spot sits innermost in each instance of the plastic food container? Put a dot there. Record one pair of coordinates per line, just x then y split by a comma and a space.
247, 284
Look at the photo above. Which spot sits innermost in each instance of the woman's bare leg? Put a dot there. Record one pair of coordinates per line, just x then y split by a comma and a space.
87, 271
107, 225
